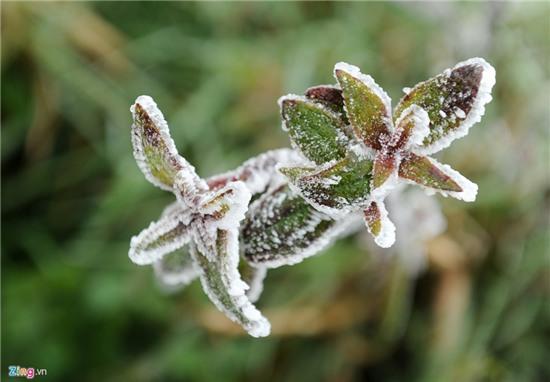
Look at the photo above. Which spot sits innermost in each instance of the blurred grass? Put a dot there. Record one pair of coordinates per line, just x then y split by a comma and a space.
72, 195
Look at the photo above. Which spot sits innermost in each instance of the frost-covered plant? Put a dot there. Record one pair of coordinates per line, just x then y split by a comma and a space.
349, 151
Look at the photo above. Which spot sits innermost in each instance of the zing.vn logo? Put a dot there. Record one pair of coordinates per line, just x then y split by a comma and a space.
28, 372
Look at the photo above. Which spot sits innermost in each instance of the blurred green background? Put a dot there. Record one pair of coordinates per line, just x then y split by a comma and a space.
72, 195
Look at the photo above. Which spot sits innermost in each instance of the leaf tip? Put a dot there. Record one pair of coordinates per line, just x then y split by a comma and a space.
379, 225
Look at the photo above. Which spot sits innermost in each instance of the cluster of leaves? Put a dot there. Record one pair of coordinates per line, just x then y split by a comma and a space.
349, 151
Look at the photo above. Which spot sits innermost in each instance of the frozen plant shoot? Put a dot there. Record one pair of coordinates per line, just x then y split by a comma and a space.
350, 149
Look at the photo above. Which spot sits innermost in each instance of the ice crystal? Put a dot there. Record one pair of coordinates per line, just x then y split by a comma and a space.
350, 151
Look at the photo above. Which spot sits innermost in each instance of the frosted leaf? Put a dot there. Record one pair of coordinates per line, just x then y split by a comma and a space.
220, 209
222, 283
422, 171
412, 127
329, 96
379, 225
257, 173
368, 107
314, 129
154, 149
166, 235
435, 176
254, 276
335, 188
283, 229
454, 101
188, 190
176, 270
204, 237
225, 208
385, 165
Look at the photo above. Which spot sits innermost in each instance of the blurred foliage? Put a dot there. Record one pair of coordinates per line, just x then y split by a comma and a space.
72, 195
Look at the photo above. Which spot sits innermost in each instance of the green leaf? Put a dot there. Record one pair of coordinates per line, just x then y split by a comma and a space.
368, 106
154, 149
314, 129
338, 188
162, 237
222, 283
282, 228
454, 101
423, 171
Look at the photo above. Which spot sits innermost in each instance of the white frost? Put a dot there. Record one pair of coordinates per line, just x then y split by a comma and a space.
187, 187
236, 197
421, 122
386, 236
460, 113
143, 248
256, 283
